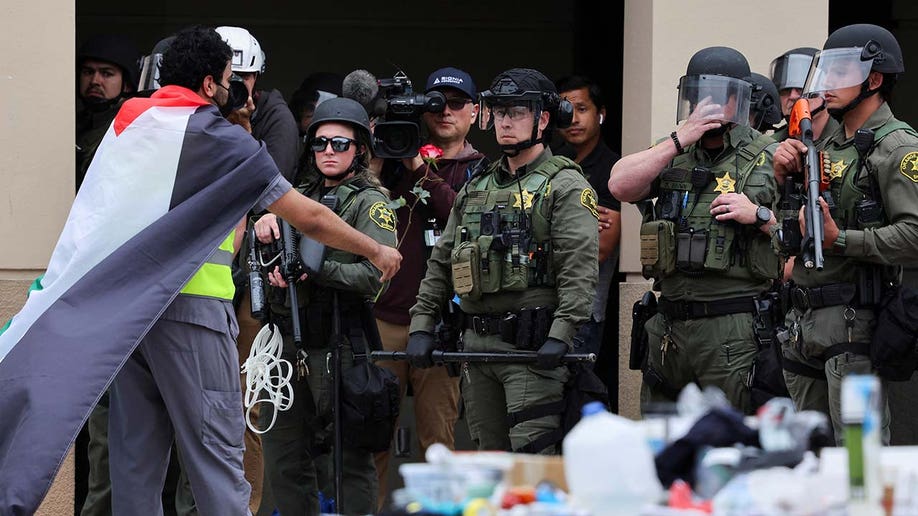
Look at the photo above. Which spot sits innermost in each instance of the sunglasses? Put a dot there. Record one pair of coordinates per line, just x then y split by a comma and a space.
457, 103
338, 143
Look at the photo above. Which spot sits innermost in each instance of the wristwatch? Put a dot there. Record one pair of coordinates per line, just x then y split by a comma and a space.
762, 216
841, 243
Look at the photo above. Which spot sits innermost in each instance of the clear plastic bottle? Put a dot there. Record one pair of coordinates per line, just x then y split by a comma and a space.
609, 465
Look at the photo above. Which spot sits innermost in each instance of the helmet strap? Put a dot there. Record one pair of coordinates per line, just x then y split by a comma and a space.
514, 149
839, 113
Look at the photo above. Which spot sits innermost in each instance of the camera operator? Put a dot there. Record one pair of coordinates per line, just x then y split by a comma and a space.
297, 448
436, 394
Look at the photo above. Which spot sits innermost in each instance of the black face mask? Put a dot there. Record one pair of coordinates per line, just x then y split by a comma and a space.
720, 131
236, 95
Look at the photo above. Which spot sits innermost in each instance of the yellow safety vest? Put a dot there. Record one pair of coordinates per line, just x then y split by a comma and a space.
215, 278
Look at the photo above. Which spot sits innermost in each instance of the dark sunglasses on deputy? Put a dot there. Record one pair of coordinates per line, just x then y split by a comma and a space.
338, 143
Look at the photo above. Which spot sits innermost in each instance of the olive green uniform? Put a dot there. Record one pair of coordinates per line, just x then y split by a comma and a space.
552, 265
708, 273
298, 449
834, 338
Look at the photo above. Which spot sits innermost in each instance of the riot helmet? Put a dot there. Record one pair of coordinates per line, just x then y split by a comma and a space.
765, 105
347, 111
115, 49
524, 87
789, 70
150, 65
847, 58
717, 75
247, 53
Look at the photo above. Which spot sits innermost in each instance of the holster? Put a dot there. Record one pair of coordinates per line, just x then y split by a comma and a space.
641, 312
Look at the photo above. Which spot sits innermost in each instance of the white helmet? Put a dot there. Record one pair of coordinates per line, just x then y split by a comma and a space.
247, 53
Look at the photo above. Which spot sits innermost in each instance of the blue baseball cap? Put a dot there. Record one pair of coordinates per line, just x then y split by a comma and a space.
450, 77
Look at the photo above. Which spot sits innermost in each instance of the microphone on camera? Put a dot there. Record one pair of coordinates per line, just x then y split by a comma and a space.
362, 86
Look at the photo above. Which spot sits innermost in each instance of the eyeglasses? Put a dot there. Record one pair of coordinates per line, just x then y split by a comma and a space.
457, 103
338, 143
514, 112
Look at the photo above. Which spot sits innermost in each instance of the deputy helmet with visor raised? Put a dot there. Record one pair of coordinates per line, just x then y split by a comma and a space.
717, 75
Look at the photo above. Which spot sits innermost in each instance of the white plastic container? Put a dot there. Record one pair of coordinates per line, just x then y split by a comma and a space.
608, 464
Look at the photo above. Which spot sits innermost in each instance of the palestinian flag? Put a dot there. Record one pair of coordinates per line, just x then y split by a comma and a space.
169, 181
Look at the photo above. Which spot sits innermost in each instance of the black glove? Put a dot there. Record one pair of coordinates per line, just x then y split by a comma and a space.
549, 355
420, 345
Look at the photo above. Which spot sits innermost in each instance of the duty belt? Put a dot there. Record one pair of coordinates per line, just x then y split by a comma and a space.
686, 310
492, 324
834, 294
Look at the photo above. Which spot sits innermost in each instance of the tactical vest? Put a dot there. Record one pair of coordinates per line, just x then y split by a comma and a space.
503, 240
851, 182
215, 278
685, 237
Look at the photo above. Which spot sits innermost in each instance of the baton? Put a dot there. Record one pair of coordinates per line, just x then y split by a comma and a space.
518, 357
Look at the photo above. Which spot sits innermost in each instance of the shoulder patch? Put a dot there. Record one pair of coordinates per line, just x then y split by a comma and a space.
761, 159
909, 166
382, 216
588, 200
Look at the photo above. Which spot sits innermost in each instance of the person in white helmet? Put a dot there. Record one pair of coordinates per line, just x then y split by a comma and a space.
267, 117
270, 120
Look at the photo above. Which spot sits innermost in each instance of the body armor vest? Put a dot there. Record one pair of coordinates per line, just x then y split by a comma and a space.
503, 240
685, 237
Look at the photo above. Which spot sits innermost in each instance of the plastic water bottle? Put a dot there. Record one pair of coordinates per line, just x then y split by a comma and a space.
609, 465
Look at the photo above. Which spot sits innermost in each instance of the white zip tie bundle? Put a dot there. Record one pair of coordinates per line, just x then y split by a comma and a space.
265, 371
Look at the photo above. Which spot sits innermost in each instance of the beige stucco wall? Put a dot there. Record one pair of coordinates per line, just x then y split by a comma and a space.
36, 135
660, 38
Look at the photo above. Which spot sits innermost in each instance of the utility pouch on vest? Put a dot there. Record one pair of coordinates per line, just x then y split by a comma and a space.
466, 272
516, 269
690, 250
658, 247
490, 263
720, 240
764, 263
869, 214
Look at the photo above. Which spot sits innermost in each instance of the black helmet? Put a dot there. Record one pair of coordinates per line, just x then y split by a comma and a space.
342, 109
150, 65
718, 75
877, 43
115, 49
718, 61
789, 70
765, 107
525, 84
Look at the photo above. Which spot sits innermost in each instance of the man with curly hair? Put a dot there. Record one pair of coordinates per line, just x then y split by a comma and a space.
181, 383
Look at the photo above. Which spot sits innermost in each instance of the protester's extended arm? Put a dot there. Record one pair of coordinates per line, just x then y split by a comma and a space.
320, 223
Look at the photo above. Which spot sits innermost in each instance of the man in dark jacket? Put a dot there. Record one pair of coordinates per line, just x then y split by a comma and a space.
428, 192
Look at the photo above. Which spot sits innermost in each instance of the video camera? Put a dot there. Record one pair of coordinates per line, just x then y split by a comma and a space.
398, 135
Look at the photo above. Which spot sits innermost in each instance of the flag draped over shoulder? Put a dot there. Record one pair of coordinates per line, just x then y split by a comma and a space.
169, 181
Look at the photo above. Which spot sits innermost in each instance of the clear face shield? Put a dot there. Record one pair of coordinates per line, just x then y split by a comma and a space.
732, 95
790, 71
837, 68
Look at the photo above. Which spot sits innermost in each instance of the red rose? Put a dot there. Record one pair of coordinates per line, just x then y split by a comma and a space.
430, 153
